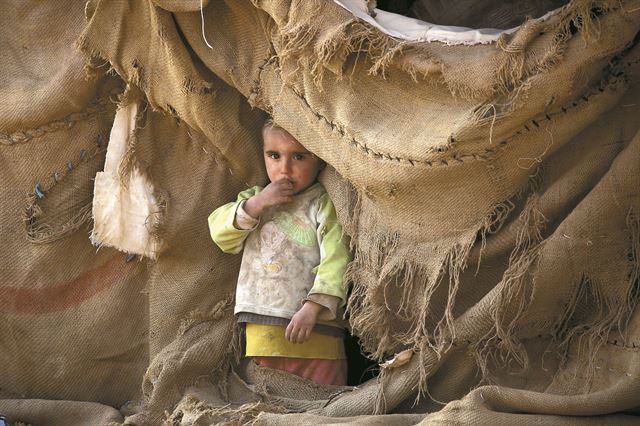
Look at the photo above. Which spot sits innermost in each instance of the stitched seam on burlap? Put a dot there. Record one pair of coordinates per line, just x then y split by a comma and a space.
219, 159
92, 110
485, 154
255, 92
39, 233
613, 370
634, 346
618, 343
578, 375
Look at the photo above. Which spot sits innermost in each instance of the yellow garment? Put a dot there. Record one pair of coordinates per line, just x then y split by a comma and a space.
269, 340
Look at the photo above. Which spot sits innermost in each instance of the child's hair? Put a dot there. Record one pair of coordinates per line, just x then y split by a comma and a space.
269, 124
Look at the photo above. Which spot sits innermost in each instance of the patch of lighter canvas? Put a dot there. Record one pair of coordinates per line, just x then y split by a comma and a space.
410, 29
122, 213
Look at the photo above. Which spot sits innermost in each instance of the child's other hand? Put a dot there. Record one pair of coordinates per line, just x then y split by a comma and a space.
302, 323
274, 194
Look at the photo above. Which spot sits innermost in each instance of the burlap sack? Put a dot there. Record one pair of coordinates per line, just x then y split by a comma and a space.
490, 190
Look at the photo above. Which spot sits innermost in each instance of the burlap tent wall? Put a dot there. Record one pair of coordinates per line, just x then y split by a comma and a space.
491, 192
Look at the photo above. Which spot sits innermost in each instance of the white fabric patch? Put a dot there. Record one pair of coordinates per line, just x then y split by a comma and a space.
122, 215
410, 29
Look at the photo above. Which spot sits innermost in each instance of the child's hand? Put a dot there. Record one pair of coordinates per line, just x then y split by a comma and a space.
302, 323
274, 194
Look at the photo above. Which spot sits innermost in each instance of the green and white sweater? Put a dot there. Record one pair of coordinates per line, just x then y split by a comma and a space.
292, 253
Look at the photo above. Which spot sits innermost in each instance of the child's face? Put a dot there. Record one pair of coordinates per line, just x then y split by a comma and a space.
286, 158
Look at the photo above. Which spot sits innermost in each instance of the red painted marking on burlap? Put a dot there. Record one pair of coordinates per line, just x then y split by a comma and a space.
62, 295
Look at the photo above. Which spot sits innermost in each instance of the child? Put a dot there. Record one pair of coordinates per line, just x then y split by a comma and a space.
290, 288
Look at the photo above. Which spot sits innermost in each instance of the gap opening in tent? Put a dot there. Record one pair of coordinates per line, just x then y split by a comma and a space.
360, 368
470, 13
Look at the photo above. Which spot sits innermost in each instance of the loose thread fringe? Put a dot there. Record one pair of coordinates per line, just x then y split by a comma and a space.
219, 311
227, 415
576, 17
310, 46
375, 275
129, 160
392, 306
380, 405
586, 335
500, 344
247, 414
44, 233
198, 316
330, 49
613, 310
633, 291
38, 229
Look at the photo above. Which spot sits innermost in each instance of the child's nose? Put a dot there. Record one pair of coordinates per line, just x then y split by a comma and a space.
285, 167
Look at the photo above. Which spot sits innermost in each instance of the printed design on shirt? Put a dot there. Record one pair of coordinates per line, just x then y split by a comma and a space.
297, 228
272, 243
273, 267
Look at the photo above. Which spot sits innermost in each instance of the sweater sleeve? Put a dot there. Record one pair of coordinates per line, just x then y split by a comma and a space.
221, 224
334, 253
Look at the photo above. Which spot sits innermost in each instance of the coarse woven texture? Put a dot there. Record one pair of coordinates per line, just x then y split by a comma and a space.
491, 193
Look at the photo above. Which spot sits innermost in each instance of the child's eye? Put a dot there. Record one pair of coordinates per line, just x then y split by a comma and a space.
298, 156
273, 155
